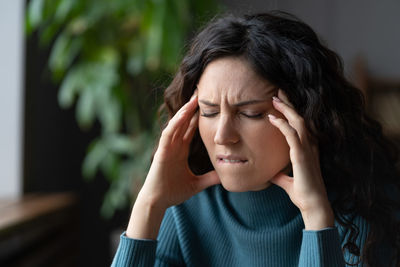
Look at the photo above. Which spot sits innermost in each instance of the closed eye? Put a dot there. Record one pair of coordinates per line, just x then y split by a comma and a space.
209, 115
253, 116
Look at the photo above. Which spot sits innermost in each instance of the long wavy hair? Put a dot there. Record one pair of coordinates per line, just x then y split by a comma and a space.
358, 162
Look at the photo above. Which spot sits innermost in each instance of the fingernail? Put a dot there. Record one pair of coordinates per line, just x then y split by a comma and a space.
193, 97
276, 99
272, 117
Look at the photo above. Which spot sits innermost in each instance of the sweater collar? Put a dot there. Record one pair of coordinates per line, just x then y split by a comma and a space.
270, 207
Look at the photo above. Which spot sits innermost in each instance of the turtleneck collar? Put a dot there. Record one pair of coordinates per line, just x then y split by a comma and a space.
270, 207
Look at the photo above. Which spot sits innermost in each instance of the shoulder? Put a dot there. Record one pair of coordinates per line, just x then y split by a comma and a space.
355, 230
356, 221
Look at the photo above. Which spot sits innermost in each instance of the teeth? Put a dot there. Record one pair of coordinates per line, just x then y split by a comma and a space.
231, 160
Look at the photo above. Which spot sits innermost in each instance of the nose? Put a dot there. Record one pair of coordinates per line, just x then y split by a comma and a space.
226, 132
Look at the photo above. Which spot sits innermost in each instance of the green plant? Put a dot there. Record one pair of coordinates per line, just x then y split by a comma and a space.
105, 55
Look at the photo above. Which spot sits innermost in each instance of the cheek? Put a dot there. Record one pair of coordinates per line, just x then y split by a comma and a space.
279, 151
266, 141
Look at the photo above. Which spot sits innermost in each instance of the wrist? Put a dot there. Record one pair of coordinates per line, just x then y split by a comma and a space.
152, 201
318, 218
146, 218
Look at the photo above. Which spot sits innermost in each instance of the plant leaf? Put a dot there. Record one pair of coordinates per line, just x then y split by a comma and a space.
95, 155
85, 112
35, 11
63, 53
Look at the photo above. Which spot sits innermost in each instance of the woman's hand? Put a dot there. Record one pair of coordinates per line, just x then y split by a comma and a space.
169, 181
306, 188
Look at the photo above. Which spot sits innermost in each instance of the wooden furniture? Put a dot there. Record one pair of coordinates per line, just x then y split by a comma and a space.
39, 230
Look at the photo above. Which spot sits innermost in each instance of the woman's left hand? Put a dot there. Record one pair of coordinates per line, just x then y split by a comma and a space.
306, 188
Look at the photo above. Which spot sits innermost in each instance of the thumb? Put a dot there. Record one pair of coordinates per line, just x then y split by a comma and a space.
284, 181
208, 179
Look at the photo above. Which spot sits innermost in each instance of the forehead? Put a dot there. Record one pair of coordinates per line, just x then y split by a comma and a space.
233, 78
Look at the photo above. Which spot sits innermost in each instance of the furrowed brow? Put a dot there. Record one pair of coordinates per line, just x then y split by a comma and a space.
242, 103
205, 102
239, 104
249, 102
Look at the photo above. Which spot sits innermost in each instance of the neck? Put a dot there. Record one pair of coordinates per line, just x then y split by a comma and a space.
265, 208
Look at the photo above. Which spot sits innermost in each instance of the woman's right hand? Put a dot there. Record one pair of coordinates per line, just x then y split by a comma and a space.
170, 180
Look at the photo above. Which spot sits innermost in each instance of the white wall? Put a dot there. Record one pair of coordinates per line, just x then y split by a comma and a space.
359, 27
11, 97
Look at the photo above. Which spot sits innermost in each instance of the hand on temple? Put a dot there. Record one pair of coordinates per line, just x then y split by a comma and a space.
306, 188
170, 180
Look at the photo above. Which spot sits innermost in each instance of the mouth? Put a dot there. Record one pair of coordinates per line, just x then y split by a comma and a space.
231, 159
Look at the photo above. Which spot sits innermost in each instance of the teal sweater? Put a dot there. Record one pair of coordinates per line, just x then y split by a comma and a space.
221, 228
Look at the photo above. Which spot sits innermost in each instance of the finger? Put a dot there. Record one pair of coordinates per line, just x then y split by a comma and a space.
283, 181
294, 119
206, 180
287, 130
176, 122
188, 116
282, 96
178, 135
192, 128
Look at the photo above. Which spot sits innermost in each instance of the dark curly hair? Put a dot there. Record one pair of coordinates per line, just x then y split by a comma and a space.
358, 162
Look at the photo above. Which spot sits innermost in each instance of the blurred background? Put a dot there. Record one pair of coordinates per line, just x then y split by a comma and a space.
81, 84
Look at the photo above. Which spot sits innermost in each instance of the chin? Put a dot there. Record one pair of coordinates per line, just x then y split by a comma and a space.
233, 188
240, 187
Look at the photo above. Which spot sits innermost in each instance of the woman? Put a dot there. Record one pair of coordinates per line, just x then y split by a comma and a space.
268, 159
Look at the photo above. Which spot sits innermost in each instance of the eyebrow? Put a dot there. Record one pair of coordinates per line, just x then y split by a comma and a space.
239, 104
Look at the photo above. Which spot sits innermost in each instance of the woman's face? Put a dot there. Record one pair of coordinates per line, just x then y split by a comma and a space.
245, 149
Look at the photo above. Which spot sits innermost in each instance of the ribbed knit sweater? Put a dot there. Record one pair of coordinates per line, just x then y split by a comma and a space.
221, 228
